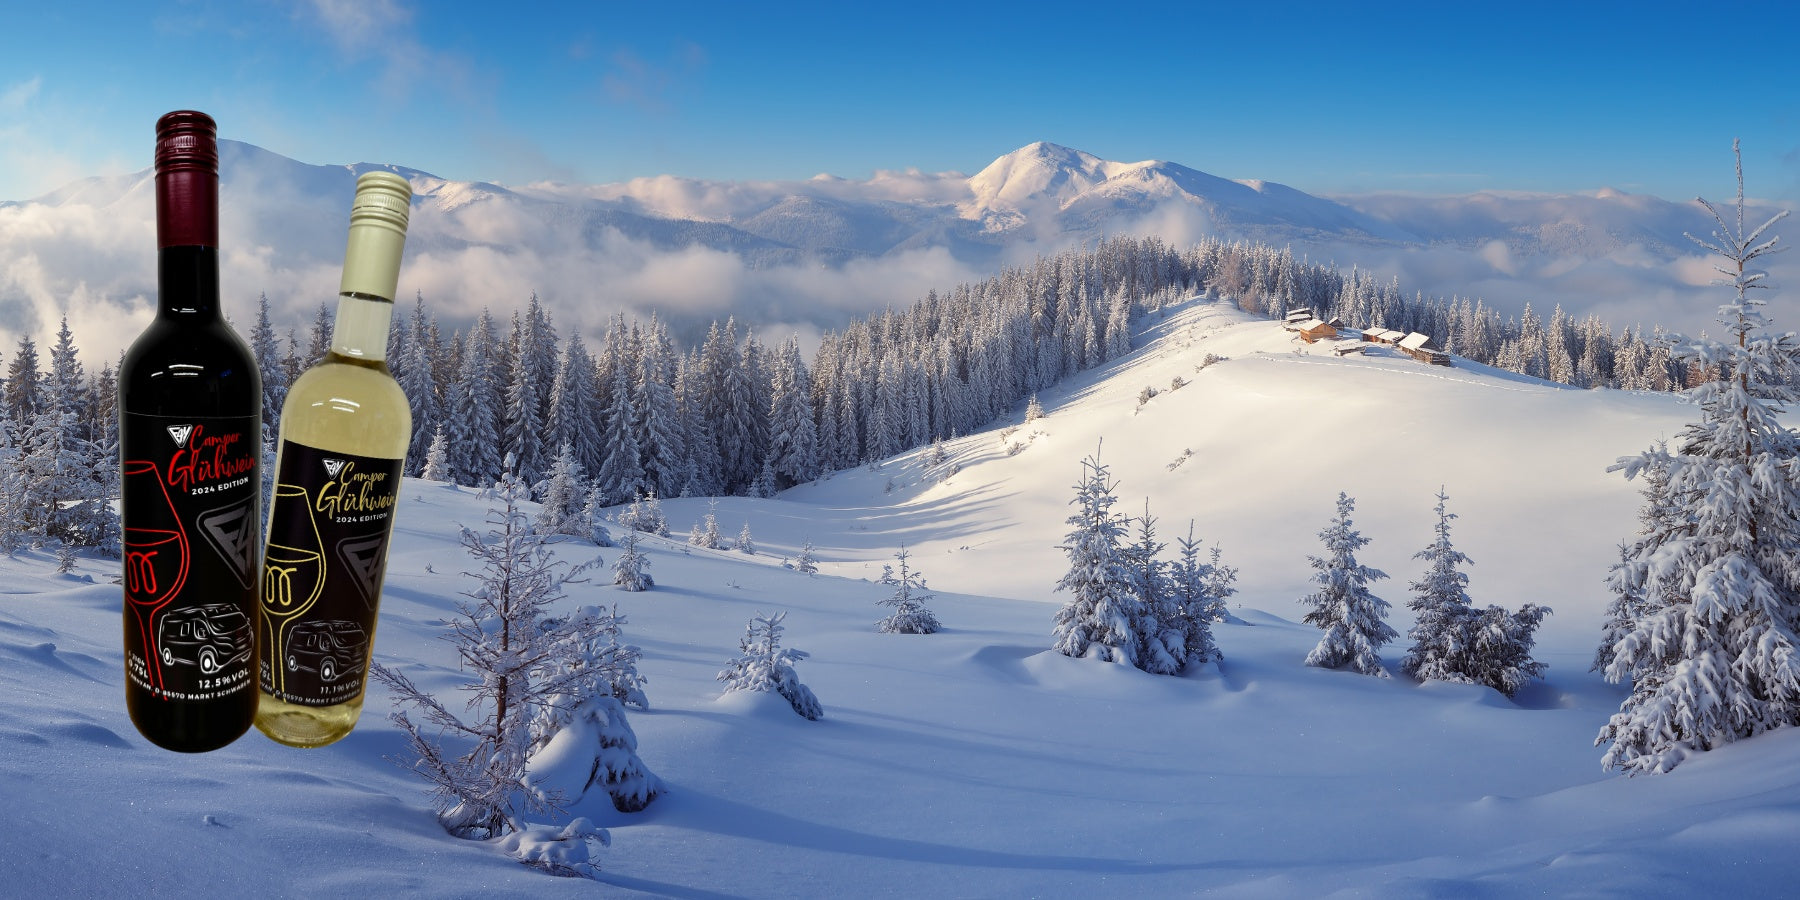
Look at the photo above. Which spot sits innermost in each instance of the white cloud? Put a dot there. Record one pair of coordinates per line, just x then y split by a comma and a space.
16, 96
469, 250
359, 25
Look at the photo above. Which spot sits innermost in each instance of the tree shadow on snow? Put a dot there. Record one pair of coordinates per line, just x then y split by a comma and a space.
718, 815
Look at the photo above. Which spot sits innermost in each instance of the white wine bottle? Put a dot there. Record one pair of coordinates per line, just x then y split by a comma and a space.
345, 428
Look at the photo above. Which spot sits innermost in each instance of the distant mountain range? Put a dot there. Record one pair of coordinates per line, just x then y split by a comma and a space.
693, 249
1038, 191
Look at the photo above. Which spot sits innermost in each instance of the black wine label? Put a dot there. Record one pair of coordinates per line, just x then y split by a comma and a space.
321, 578
188, 501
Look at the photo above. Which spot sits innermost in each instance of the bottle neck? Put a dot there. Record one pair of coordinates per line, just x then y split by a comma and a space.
187, 283
361, 331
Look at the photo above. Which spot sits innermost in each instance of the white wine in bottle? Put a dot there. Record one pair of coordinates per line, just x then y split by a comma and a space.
345, 428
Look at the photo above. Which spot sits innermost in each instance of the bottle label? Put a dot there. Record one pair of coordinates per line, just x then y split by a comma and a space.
188, 501
321, 578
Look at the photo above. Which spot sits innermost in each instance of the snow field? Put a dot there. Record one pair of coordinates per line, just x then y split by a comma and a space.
975, 762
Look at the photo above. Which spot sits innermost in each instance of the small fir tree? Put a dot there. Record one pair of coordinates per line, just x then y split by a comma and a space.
805, 563
908, 600
1033, 410
1455, 641
744, 543
581, 738
594, 514
1659, 520
1441, 634
1193, 589
1100, 620
629, 571
766, 666
563, 497
705, 533
1354, 620
764, 485
645, 514
437, 459
1163, 650
1501, 645
521, 663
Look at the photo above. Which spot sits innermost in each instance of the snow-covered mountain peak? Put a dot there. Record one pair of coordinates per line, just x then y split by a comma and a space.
1038, 174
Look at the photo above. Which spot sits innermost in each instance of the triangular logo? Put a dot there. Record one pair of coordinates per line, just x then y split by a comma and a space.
180, 433
333, 467
231, 532
364, 558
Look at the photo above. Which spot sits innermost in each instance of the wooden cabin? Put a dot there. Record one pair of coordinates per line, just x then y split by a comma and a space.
1419, 347
1313, 331
1380, 335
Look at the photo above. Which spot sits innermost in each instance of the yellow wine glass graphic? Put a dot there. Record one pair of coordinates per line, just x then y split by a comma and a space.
156, 562
292, 579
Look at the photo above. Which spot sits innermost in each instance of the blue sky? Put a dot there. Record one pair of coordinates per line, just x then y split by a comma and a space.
1433, 98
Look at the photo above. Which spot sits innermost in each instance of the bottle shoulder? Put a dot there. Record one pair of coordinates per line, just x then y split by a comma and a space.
177, 367
351, 406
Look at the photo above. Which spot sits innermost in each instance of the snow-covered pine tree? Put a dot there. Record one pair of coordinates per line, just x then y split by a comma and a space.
1659, 519
1033, 410
764, 485
523, 430
417, 375
13, 506
1713, 658
472, 431
562, 496
574, 413
1442, 632
520, 665
706, 531
1164, 635
581, 738
645, 514
658, 422
1500, 647
1622, 612
806, 563
437, 459
595, 515
910, 615
1100, 619
1219, 584
767, 666
621, 475
700, 465
265, 348
744, 542
318, 337
1192, 586
1456, 641
793, 437
1354, 620
629, 571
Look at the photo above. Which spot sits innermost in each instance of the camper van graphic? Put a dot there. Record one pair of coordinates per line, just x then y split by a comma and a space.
332, 648
212, 637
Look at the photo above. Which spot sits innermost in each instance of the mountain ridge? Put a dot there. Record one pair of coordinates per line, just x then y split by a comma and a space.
1040, 188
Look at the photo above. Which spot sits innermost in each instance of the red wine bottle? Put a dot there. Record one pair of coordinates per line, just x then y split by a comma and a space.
190, 410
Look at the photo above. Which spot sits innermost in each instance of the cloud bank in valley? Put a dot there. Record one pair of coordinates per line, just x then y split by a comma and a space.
794, 257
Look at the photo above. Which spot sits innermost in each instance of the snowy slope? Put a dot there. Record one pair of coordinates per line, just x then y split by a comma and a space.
974, 762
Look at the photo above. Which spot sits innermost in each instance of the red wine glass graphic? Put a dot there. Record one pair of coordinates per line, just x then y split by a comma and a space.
156, 561
293, 577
